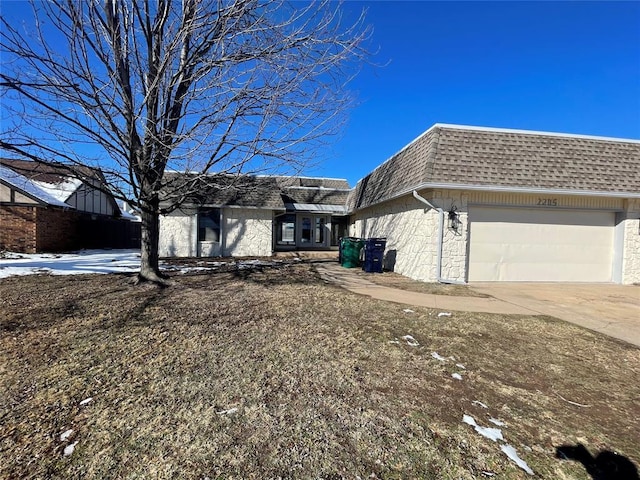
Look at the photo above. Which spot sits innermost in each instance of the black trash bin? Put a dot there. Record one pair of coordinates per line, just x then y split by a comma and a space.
374, 254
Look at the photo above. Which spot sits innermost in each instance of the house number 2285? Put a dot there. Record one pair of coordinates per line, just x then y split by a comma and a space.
548, 202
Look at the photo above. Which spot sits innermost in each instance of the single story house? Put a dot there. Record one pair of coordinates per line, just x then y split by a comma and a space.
255, 216
458, 204
44, 208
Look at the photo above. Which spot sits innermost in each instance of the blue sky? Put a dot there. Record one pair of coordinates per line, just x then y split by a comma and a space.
571, 67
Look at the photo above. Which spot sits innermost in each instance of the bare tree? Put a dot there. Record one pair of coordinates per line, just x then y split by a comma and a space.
189, 85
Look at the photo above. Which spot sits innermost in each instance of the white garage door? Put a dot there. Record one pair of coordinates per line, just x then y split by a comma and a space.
516, 244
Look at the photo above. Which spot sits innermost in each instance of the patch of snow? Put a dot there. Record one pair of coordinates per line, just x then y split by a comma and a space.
510, 452
395, 341
408, 310
68, 450
412, 342
245, 264
60, 191
457, 376
493, 434
231, 411
479, 403
459, 365
438, 357
497, 422
488, 474
184, 270
130, 216
81, 262
64, 436
444, 314
86, 401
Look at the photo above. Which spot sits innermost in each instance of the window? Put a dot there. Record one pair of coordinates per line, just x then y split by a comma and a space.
306, 232
320, 227
209, 225
286, 230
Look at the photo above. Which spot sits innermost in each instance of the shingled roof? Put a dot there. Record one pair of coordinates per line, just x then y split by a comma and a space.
450, 156
271, 192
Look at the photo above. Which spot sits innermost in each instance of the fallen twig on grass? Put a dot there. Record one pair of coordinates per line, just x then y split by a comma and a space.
572, 403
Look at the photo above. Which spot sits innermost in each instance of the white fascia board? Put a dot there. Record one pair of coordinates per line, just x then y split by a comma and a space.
499, 189
319, 188
532, 132
504, 189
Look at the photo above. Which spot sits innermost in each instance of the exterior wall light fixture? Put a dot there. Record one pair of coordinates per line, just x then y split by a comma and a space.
454, 219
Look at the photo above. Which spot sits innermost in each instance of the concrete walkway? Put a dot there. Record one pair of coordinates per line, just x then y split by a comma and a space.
613, 310
347, 278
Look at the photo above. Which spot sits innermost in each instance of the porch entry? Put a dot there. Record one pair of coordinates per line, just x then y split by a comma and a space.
307, 231
313, 230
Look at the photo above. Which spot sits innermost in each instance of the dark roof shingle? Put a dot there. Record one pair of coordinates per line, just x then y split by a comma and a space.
461, 156
271, 192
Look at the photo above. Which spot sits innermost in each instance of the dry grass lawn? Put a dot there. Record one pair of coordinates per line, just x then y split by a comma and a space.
272, 373
395, 280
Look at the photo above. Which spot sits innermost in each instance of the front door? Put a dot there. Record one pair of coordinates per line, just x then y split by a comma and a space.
313, 231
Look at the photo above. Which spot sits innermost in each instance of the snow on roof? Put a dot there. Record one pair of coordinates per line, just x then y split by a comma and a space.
61, 191
29, 187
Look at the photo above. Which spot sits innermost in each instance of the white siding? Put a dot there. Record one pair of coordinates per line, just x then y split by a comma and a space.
89, 199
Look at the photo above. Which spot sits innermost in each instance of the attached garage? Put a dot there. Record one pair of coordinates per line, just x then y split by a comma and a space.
529, 244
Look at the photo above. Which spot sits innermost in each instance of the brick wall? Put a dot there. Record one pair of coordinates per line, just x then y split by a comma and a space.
18, 228
31, 229
57, 230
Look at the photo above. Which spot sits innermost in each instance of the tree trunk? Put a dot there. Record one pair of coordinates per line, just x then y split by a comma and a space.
150, 236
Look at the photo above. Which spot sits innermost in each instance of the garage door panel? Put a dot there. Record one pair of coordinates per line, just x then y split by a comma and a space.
533, 245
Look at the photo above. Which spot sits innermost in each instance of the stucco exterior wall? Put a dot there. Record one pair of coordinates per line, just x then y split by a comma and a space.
247, 232
631, 244
411, 234
178, 234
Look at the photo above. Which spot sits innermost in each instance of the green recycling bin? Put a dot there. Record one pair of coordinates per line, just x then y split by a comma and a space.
350, 248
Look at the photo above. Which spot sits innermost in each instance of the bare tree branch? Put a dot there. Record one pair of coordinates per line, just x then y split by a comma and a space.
200, 86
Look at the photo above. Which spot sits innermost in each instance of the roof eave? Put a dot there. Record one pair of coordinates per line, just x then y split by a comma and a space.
505, 189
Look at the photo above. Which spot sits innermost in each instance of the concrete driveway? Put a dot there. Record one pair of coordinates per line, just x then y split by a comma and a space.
606, 308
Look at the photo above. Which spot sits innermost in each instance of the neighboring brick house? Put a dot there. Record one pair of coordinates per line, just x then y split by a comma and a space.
44, 208
457, 204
